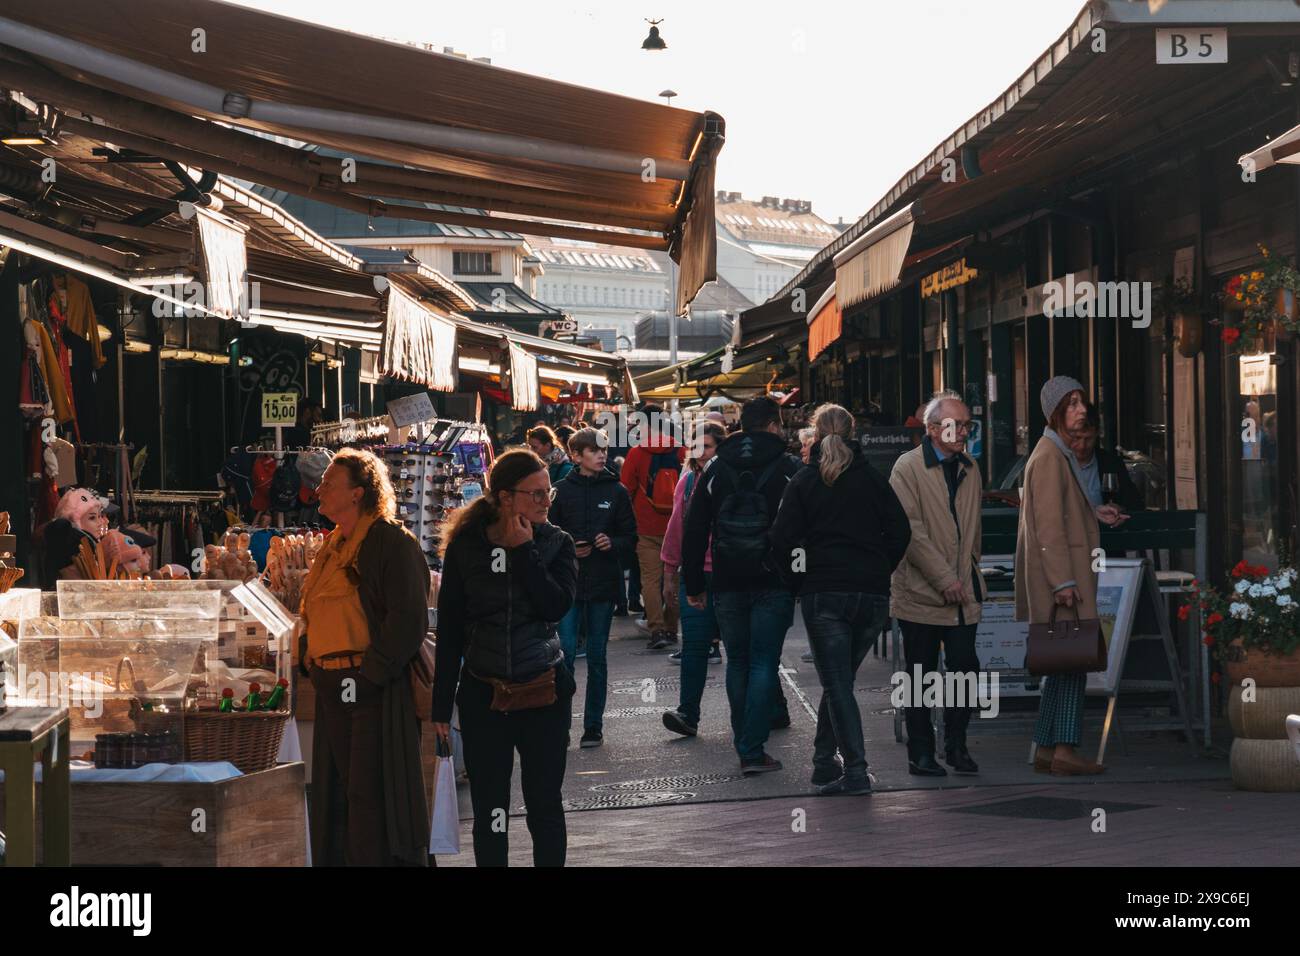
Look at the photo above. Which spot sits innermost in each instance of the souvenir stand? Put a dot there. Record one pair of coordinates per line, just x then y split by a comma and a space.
177, 745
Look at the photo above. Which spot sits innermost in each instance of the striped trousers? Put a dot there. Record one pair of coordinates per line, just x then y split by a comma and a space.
1060, 710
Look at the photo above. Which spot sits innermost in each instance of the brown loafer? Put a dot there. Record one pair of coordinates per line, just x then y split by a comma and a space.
1075, 768
1042, 764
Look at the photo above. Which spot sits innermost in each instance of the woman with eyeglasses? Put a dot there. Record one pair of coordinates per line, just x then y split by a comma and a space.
508, 578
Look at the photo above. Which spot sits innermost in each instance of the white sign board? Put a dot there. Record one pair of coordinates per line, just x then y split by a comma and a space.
279, 408
1192, 45
411, 409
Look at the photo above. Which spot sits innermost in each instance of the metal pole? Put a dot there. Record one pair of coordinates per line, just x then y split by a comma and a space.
672, 311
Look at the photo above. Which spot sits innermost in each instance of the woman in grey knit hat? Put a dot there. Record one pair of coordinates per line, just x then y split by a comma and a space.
1058, 536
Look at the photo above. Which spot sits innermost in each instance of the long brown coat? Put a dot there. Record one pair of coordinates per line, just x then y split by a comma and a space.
1057, 537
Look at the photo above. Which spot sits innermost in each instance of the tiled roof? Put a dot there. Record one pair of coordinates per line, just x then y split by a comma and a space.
752, 221
588, 255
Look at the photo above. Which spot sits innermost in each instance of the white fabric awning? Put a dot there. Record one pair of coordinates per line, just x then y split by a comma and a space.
1279, 149
225, 260
525, 391
419, 345
872, 263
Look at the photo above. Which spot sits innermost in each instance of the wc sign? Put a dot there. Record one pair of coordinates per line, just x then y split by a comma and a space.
1192, 45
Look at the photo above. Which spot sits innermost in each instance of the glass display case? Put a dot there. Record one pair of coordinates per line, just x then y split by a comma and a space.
158, 600
125, 682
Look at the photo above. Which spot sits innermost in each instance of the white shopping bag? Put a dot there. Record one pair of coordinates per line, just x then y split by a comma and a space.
444, 819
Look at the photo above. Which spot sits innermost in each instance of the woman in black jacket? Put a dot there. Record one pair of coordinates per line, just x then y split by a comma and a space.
838, 536
594, 508
507, 577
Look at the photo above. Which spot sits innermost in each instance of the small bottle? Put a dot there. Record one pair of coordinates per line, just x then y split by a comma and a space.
276, 698
227, 703
253, 701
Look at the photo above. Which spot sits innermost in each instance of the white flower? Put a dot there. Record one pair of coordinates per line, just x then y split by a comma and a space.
1242, 585
1284, 581
1239, 610
1283, 600
1255, 591
1268, 591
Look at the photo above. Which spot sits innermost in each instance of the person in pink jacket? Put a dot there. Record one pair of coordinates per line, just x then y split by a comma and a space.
699, 627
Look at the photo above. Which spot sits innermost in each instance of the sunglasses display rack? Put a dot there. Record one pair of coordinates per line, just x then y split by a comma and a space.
428, 486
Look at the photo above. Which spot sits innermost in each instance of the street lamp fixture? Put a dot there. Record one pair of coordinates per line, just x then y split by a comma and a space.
654, 41
668, 96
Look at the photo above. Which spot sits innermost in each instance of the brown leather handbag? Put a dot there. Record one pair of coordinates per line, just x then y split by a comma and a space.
1065, 647
422, 676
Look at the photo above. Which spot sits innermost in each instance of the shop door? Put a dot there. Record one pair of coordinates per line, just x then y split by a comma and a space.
1257, 451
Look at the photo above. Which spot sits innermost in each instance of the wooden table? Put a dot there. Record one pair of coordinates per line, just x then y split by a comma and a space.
28, 734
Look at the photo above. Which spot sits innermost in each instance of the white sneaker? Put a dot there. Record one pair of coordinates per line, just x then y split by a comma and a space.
643, 624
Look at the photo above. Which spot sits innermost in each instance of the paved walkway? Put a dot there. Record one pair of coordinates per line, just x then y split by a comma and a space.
648, 797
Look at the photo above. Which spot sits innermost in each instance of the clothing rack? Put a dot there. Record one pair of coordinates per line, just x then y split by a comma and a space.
363, 431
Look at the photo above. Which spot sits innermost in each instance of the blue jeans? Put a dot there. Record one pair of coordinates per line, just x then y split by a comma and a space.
842, 626
595, 617
699, 631
753, 626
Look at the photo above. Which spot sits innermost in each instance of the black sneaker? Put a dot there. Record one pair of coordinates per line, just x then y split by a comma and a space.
661, 639
846, 787
620, 610
763, 764
715, 654
962, 763
591, 738
781, 721
675, 657
925, 766
678, 724
821, 776
636, 606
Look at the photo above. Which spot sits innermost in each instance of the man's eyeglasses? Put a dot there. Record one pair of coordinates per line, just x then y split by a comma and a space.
964, 426
539, 497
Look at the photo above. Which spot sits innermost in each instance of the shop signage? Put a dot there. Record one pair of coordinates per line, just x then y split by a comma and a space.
1192, 45
279, 408
949, 277
411, 409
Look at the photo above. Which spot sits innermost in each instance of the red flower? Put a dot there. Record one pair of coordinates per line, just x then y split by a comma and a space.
1240, 568
1230, 335
1183, 612
1234, 284
1208, 641
1213, 619
1259, 571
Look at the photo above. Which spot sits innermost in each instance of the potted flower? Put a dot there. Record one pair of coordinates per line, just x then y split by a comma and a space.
1261, 301
1254, 627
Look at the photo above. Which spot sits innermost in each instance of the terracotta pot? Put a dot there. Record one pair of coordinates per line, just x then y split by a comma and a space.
1189, 330
1267, 670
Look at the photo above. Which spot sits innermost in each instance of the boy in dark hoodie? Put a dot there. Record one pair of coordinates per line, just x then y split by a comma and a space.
594, 508
734, 509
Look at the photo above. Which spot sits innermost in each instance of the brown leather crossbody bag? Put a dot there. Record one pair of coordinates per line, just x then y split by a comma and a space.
509, 696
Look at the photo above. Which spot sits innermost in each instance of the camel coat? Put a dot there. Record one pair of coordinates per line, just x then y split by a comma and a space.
1057, 536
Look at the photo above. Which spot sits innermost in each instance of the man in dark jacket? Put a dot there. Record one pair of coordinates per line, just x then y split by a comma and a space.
595, 509
735, 507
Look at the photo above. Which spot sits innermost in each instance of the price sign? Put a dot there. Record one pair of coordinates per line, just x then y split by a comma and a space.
1192, 45
279, 408
411, 409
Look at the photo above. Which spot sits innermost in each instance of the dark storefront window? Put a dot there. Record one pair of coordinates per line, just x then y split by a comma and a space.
1256, 449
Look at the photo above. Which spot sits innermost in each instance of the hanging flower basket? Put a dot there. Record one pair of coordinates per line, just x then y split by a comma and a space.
1261, 305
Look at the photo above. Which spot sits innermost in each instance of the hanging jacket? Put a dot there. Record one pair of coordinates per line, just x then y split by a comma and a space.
585, 507
497, 608
81, 317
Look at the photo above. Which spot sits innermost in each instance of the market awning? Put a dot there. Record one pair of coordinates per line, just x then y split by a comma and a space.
189, 79
826, 324
1279, 149
872, 263
418, 346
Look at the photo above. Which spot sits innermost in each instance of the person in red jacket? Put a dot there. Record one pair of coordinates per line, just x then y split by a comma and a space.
650, 476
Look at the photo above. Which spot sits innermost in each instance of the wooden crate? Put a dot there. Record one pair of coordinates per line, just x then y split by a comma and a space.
255, 820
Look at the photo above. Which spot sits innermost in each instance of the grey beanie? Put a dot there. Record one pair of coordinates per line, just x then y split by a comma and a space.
1056, 389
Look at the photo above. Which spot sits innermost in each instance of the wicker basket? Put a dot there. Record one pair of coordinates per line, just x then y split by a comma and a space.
249, 741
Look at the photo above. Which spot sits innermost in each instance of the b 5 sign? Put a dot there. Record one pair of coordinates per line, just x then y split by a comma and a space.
1192, 45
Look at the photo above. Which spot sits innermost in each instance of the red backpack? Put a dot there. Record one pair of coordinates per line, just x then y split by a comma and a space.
263, 474
661, 482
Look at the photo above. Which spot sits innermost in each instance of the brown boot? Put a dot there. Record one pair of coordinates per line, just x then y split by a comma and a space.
1043, 760
1074, 766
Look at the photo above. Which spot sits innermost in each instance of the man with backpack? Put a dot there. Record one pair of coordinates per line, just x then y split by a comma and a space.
736, 505
650, 475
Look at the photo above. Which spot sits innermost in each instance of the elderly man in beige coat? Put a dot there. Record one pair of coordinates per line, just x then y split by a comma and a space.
936, 592
1058, 541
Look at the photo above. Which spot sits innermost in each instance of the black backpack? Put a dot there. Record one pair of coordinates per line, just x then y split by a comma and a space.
741, 529
285, 485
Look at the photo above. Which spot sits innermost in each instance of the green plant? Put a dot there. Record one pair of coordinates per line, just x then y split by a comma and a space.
1255, 293
1260, 608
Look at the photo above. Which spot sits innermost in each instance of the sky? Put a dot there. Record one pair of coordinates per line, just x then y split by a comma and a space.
825, 101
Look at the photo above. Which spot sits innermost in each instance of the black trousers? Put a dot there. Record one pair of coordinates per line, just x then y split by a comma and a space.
921, 646
541, 736
353, 729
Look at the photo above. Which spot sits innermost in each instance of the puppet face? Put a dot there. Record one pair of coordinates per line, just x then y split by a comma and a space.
85, 510
129, 555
